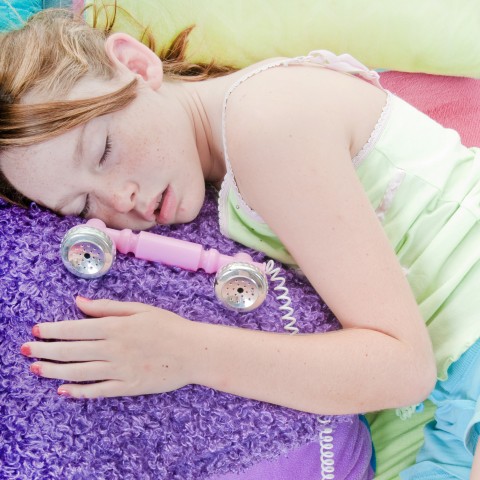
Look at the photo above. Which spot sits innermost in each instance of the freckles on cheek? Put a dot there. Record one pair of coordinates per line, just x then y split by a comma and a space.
133, 155
28, 179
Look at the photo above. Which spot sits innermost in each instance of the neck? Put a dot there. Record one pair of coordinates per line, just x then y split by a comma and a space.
203, 103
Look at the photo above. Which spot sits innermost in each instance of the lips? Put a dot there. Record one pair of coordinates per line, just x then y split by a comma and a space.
165, 210
151, 211
158, 208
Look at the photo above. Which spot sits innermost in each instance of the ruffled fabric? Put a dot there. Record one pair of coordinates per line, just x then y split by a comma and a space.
425, 188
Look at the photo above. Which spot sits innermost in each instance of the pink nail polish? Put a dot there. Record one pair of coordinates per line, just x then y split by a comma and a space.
35, 368
62, 392
83, 299
36, 331
25, 350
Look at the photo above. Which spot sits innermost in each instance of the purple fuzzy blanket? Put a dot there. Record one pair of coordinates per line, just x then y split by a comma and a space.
192, 433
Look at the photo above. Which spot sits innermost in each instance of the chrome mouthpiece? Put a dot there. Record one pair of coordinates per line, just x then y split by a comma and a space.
87, 252
241, 286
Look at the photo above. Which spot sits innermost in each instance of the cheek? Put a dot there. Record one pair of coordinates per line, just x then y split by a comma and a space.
128, 159
139, 148
37, 181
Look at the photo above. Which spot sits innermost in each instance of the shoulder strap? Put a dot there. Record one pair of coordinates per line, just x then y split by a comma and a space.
341, 63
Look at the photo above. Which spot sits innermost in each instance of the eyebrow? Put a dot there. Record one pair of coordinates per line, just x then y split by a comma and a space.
77, 158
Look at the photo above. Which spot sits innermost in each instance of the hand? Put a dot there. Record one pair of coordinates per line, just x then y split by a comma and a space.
129, 349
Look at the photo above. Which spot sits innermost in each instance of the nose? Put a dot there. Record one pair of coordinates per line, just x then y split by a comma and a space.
123, 198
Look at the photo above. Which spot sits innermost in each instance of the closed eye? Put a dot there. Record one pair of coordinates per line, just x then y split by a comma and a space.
86, 208
103, 159
106, 152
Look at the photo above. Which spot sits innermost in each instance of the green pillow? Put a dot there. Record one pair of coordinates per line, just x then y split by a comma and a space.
432, 36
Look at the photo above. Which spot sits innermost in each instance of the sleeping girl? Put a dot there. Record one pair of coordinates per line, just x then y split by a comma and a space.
316, 165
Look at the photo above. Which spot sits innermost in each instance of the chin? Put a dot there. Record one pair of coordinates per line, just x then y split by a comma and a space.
186, 218
188, 215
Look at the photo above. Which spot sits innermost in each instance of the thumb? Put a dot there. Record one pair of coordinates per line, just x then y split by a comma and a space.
105, 307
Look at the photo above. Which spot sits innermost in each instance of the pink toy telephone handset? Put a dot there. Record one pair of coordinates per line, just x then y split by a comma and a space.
88, 251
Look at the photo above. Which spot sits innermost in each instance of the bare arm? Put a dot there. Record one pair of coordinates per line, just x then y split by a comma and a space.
296, 171
306, 188
137, 349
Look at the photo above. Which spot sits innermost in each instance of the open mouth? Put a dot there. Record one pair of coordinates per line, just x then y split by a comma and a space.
160, 206
157, 211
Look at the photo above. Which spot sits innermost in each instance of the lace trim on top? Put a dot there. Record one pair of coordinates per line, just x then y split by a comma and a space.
229, 180
341, 63
375, 135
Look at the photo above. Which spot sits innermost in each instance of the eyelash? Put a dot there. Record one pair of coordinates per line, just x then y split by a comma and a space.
106, 153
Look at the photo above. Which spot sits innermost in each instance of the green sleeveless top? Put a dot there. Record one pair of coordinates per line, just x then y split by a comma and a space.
425, 188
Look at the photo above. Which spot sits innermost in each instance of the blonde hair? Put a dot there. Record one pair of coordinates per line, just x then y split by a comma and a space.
48, 56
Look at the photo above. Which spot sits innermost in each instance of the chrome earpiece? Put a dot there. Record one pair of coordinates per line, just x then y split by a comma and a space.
87, 252
241, 286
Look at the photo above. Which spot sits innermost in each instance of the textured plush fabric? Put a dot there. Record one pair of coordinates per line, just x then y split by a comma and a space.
188, 434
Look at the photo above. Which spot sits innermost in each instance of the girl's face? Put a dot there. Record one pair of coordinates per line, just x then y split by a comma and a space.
133, 168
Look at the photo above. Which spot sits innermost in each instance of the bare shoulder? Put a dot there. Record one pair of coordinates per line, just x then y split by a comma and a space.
296, 130
300, 108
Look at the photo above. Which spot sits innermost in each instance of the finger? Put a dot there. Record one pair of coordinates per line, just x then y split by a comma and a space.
74, 372
82, 351
108, 388
84, 329
105, 307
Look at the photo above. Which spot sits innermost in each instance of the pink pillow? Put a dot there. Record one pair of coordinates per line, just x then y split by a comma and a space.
454, 102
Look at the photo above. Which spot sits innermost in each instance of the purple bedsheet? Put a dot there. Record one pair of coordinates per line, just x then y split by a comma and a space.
193, 433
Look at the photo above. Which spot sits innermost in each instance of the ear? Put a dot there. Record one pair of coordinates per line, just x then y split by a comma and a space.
127, 52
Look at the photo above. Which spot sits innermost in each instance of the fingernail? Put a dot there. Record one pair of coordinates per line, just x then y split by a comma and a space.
83, 299
35, 368
25, 350
36, 331
63, 392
